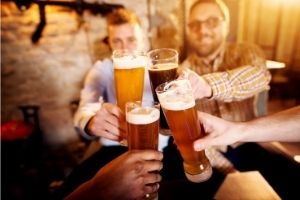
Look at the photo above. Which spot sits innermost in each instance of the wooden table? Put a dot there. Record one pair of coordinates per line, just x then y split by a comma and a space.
245, 186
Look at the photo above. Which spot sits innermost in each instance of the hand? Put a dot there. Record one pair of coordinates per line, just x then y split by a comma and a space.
219, 132
127, 177
109, 122
201, 89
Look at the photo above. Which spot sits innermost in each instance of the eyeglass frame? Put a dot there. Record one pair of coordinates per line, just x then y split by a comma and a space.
208, 23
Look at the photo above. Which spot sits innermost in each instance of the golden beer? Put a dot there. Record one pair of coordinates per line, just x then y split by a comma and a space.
142, 126
178, 104
129, 71
129, 84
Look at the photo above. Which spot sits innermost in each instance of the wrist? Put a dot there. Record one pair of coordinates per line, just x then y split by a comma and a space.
88, 128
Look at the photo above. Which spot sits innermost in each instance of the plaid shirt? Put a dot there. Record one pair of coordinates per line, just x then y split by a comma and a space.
236, 75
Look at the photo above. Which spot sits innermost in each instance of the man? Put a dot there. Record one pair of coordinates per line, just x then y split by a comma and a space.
104, 120
98, 116
95, 119
230, 74
126, 177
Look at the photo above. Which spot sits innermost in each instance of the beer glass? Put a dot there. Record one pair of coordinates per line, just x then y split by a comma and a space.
143, 128
129, 70
178, 104
163, 68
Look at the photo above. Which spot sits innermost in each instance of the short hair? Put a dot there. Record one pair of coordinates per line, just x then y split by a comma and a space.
222, 6
122, 16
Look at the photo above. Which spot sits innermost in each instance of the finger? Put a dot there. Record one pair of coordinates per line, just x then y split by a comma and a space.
108, 135
112, 128
151, 188
151, 178
201, 144
148, 154
114, 110
152, 165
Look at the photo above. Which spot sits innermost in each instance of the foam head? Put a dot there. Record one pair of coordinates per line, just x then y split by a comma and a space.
142, 115
176, 95
130, 61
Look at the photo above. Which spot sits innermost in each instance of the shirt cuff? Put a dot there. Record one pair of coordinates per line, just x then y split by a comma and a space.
219, 85
83, 116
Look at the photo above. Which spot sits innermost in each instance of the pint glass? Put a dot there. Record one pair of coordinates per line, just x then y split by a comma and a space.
143, 127
163, 68
178, 104
129, 70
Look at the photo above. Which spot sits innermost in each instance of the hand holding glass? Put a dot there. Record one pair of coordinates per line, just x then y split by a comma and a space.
129, 71
178, 104
143, 128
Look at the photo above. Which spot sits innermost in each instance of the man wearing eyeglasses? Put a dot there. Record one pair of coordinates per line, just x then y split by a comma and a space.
226, 78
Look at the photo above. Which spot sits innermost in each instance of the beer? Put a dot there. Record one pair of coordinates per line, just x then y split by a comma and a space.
143, 127
129, 70
178, 104
164, 64
129, 79
158, 74
129, 84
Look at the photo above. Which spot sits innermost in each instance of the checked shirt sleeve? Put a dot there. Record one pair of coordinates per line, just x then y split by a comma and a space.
239, 83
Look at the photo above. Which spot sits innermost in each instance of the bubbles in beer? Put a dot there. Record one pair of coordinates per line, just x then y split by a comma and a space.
142, 115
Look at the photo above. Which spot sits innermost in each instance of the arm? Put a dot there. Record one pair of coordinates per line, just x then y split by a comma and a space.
235, 84
245, 75
282, 126
126, 177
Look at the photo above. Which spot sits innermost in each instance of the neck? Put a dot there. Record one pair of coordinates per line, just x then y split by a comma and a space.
211, 57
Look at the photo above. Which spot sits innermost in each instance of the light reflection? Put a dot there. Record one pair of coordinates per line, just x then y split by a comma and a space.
297, 158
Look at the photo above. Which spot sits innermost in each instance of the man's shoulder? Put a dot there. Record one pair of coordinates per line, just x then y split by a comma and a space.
103, 63
244, 48
242, 45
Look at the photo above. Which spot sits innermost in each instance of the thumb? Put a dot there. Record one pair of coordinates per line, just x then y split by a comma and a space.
201, 144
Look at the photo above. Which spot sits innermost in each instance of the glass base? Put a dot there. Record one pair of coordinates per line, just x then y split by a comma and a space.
198, 178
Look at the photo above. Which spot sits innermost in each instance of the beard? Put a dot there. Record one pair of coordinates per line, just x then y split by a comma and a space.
204, 45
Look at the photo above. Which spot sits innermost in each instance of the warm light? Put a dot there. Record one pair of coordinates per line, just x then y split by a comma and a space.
274, 64
297, 158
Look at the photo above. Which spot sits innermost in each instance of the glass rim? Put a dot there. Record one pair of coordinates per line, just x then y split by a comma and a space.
163, 59
148, 102
161, 87
117, 53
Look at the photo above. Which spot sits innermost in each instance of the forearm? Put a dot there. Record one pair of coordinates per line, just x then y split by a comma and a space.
283, 126
239, 83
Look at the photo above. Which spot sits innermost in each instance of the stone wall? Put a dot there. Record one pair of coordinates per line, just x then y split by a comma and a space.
50, 73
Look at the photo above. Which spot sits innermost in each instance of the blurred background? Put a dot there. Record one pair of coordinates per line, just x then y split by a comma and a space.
47, 47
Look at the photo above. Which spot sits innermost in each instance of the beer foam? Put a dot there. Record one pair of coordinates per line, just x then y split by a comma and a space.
163, 66
130, 61
176, 98
145, 115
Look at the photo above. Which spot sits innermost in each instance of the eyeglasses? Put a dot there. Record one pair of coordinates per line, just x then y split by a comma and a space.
211, 22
